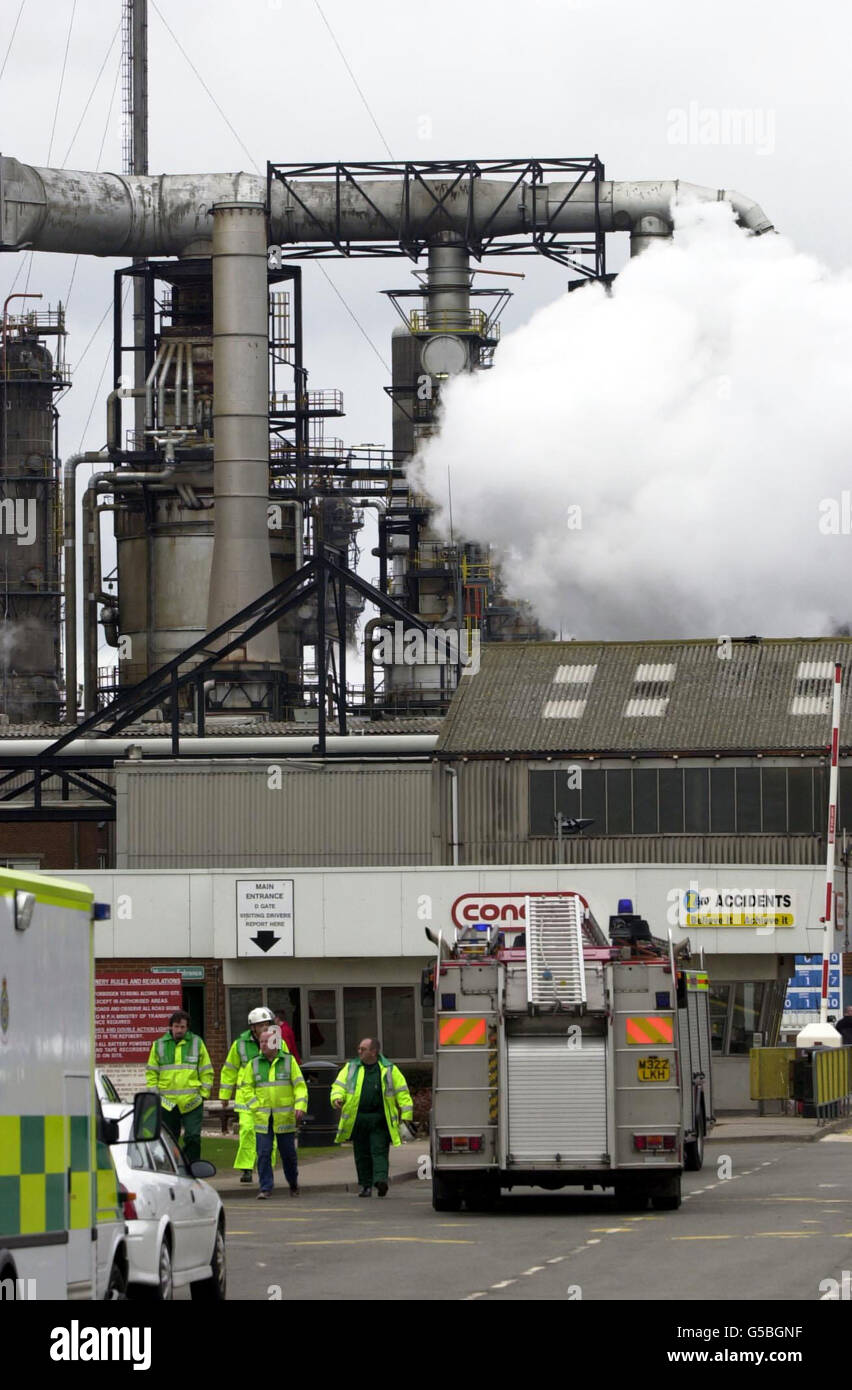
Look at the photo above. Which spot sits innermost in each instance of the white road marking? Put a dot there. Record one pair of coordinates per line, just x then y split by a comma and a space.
536, 1269
504, 1283
470, 1296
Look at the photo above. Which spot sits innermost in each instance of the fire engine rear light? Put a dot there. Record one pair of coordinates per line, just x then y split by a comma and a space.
651, 1143
460, 1143
476, 1144
446, 1144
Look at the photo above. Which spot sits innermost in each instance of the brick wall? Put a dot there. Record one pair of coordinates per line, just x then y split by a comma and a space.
59, 845
215, 1027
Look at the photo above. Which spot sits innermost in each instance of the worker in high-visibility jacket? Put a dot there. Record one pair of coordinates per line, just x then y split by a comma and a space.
244, 1049
180, 1070
372, 1096
276, 1097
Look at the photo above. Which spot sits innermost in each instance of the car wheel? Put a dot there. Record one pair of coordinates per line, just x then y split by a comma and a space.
163, 1291
116, 1289
213, 1289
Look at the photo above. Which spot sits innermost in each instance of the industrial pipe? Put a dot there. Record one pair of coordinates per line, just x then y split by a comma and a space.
173, 214
454, 813
299, 746
242, 566
70, 531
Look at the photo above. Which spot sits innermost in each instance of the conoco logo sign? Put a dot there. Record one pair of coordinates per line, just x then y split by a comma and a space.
497, 907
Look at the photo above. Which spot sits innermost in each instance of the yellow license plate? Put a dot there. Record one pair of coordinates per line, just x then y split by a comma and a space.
654, 1069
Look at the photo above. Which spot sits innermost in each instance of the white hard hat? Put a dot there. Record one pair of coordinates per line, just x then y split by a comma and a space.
261, 1016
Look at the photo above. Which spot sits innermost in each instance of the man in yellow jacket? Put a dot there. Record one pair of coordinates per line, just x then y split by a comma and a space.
179, 1068
277, 1099
244, 1049
372, 1096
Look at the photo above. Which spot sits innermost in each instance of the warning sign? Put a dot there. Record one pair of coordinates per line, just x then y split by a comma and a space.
131, 1010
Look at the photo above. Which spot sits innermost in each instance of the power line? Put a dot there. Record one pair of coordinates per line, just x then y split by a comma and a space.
12, 39
61, 80
354, 317
354, 78
103, 370
91, 94
100, 151
350, 312
177, 41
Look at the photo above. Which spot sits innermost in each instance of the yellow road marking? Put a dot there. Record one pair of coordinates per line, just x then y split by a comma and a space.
609, 1230
379, 1240
842, 1235
703, 1237
783, 1235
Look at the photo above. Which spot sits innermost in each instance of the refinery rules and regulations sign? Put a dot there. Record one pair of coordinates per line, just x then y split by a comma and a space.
264, 917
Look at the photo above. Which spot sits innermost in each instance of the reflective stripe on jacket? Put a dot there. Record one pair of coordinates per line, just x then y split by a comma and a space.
244, 1049
181, 1072
275, 1088
396, 1097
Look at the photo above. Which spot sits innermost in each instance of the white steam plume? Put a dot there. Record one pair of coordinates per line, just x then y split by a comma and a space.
701, 419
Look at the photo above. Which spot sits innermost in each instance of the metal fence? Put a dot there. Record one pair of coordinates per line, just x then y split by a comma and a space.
818, 1080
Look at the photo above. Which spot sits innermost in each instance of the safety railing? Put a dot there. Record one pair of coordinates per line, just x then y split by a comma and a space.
817, 1079
474, 321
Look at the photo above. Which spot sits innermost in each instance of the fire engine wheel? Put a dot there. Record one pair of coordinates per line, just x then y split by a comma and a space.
631, 1198
693, 1152
481, 1196
445, 1196
667, 1198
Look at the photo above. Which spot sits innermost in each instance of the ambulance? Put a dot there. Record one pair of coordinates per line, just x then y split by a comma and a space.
62, 1232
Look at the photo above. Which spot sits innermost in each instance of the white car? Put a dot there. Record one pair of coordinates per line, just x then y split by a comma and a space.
175, 1221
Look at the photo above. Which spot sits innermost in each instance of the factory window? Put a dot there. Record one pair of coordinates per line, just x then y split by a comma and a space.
240, 1004
696, 800
567, 792
748, 800
618, 813
397, 1030
671, 801
691, 800
722, 813
360, 1016
844, 800
775, 800
800, 781
322, 1023
645, 801
542, 809
593, 800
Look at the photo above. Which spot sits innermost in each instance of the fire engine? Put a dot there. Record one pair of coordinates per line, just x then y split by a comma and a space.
564, 1057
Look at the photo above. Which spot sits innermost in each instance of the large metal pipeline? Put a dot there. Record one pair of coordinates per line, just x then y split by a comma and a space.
172, 214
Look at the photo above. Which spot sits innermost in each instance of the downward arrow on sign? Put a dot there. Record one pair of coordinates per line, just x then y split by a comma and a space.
265, 940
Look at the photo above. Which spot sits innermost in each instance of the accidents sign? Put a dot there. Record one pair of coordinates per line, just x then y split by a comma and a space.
758, 908
264, 917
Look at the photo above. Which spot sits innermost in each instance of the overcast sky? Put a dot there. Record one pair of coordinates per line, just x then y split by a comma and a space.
641, 86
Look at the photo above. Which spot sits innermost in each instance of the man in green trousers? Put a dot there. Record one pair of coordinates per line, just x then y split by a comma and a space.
180, 1070
373, 1097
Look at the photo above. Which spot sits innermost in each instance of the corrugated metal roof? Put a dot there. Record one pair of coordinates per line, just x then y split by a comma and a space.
707, 696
